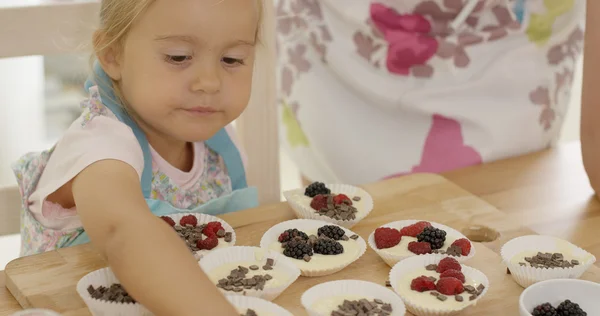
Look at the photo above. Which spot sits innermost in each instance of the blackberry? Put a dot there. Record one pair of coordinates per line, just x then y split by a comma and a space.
297, 249
328, 247
568, 308
435, 237
315, 189
544, 310
291, 234
332, 231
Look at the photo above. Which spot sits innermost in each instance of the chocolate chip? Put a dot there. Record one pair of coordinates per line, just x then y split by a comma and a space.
237, 289
522, 264
268, 277
458, 298
356, 198
473, 297
221, 233
345, 238
362, 307
355, 237
270, 262
253, 267
442, 297
508, 271
575, 262
431, 267
470, 289
454, 251
267, 267
480, 287
114, 293
434, 293
433, 279
378, 301
307, 258
388, 284
249, 312
549, 261
228, 237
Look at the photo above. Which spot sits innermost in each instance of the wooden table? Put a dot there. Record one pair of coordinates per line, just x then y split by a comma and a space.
547, 192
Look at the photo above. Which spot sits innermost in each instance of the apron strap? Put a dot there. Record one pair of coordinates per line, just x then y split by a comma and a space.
107, 95
222, 144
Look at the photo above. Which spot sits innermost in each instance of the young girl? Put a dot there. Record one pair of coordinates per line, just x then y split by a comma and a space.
422, 85
153, 140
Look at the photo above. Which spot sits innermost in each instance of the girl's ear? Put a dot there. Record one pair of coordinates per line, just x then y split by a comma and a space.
108, 55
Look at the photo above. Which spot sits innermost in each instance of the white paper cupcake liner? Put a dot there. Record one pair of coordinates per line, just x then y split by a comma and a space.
307, 212
36, 312
411, 264
230, 255
351, 287
204, 219
273, 233
105, 277
260, 306
527, 275
392, 259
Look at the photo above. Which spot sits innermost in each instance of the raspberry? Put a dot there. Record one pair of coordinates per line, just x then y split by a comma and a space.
422, 284
212, 228
386, 237
419, 248
464, 244
208, 243
341, 199
414, 229
189, 220
451, 273
450, 286
319, 202
169, 220
448, 264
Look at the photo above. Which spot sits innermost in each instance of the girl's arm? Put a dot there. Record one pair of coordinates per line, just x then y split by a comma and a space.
590, 106
146, 255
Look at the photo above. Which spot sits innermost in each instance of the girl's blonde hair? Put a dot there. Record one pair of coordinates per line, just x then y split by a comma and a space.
116, 20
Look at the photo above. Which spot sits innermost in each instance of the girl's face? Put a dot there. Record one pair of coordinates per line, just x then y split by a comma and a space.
186, 66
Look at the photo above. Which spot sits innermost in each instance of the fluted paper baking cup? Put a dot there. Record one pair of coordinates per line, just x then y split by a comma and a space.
239, 254
105, 277
351, 289
260, 306
304, 211
412, 264
205, 219
391, 259
527, 275
35, 312
312, 269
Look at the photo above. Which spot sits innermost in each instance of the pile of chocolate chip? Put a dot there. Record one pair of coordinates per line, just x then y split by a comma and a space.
343, 211
249, 312
454, 251
236, 281
363, 307
549, 261
192, 235
115, 293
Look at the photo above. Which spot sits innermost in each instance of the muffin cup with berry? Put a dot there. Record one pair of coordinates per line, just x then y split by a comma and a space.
440, 297
313, 253
562, 296
106, 278
396, 243
347, 205
514, 251
209, 242
282, 272
258, 305
320, 298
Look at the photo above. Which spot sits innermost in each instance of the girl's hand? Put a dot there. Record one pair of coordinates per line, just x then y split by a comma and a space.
147, 256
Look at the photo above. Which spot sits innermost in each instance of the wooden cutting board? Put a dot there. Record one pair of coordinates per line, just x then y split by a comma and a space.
48, 280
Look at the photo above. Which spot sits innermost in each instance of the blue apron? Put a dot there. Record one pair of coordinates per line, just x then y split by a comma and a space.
242, 197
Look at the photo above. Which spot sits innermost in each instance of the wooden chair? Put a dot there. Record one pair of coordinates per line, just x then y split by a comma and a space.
54, 27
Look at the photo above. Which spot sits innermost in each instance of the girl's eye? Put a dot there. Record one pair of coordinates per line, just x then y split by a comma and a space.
176, 59
230, 61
